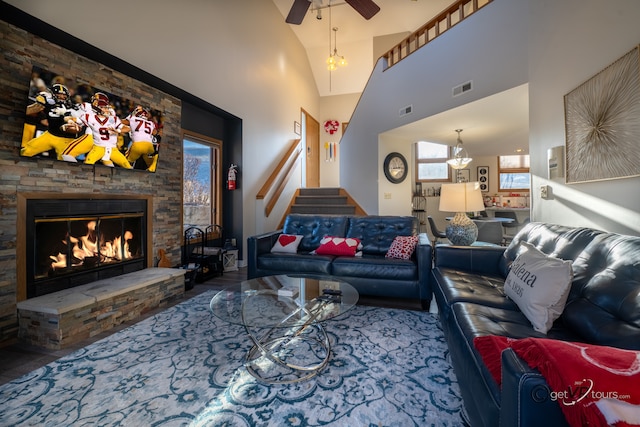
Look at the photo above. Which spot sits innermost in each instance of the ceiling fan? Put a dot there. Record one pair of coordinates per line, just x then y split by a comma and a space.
366, 8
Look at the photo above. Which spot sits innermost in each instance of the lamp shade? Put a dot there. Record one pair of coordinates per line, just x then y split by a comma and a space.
461, 197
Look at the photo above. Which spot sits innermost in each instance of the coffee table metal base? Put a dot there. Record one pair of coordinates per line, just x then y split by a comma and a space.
286, 355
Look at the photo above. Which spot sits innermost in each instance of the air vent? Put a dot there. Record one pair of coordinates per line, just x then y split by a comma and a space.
406, 110
464, 87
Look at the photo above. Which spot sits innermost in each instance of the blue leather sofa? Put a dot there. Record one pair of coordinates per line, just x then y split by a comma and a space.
603, 308
371, 274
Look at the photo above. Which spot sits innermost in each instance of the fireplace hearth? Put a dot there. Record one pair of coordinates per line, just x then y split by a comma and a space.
71, 242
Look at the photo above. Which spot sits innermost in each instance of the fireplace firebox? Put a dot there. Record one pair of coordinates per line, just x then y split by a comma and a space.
70, 242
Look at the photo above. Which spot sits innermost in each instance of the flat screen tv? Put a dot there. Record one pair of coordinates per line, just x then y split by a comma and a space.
77, 123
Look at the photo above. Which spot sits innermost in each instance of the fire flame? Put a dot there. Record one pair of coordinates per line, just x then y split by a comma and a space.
87, 247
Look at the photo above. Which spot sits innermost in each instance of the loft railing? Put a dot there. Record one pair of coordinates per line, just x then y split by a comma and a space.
451, 16
277, 181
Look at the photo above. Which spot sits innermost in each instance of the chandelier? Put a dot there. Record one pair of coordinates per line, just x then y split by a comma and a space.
334, 60
460, 158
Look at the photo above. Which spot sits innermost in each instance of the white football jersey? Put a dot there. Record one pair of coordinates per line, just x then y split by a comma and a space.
103, 128
141, 128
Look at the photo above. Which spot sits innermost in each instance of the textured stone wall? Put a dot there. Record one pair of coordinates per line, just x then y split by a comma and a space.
97, 307
19, 52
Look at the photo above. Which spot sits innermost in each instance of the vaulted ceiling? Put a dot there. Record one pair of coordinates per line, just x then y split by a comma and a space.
495, 125
355, 36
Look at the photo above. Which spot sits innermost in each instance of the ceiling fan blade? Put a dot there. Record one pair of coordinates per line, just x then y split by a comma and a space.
297, 12
366, 8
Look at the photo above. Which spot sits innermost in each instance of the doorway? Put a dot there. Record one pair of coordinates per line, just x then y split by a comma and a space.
311, 140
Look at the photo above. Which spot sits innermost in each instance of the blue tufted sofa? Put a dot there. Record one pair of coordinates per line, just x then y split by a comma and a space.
603, 308
371, 274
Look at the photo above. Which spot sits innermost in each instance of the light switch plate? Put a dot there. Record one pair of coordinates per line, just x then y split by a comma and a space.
544, 191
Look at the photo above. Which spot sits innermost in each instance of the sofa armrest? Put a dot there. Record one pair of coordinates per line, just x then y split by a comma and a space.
526, 397
480, 259
258, 245
424, 257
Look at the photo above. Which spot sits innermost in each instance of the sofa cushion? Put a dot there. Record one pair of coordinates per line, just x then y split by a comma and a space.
287, 243
555, 240
314, 227
402, 247
604, 303
339, 246
539, 284
377, 232
280, 263
464, 286
375, 267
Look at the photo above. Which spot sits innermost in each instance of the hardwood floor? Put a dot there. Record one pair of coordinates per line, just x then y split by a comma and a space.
18, 359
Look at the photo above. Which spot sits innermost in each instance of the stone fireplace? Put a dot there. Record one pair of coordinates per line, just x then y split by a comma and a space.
69, 241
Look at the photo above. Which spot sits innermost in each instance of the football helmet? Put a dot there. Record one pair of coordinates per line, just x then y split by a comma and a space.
143, 113
60, 92
100, 103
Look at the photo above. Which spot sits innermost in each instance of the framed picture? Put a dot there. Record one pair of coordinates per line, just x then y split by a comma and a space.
602, 120
90, 125
296, 128
483, 178
463, 175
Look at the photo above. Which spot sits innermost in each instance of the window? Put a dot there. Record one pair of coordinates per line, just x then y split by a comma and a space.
200, 180
513, 173
431, 162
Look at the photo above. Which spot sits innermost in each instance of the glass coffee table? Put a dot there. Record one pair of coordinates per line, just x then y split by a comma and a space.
283, 317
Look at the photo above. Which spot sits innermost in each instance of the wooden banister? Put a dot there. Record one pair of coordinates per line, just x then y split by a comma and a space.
274, 175
278, 179
446, 19
282, 184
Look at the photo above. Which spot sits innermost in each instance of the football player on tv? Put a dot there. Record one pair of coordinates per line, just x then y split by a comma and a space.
105, 129
61, 129
143, 138
82, 145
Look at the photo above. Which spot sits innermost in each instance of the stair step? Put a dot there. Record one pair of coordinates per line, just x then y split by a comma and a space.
321, 200
319, 191
324, 209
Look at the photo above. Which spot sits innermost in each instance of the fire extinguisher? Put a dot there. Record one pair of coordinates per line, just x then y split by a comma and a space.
231, 177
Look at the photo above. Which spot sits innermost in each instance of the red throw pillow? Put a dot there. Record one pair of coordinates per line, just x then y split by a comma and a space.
340, 246
402, 247
287, 243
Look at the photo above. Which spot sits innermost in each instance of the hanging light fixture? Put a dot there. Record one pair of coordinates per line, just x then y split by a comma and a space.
460, 158
334, 60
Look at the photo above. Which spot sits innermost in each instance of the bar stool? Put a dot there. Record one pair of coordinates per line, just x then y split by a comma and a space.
513, 225
437, 234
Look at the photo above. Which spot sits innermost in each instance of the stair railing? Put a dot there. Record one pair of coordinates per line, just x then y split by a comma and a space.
277, 181
451, 16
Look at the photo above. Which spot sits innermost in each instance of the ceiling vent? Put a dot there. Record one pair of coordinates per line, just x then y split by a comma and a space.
406, 110
463, 88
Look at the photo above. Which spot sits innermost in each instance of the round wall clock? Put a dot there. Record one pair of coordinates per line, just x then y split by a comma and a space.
395, 167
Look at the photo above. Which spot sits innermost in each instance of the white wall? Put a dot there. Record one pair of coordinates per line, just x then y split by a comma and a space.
340, 108
238, 55
570, 41
489, 48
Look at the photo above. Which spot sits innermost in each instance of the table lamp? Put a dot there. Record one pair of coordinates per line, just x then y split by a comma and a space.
461, 198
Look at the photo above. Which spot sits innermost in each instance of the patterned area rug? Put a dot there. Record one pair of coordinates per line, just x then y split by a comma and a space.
184, 367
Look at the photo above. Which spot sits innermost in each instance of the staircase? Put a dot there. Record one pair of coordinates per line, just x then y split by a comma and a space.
323, 201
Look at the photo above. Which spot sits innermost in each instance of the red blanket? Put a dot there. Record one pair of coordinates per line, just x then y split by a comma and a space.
594, 385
